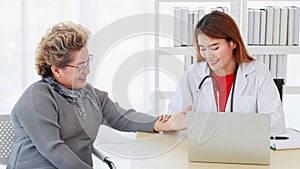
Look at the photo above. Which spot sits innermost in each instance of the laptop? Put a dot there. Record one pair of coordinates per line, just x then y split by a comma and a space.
220, 137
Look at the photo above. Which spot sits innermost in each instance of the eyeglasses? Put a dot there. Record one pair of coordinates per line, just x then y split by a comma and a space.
82, 66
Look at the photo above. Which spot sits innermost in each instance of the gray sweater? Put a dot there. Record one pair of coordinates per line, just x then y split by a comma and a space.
50, 134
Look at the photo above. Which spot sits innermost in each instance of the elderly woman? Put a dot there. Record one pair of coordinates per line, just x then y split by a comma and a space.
56, 120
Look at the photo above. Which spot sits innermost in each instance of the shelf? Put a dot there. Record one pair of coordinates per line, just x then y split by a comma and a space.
252, 50
291, 90
174, 1
274, 49
175, 50
273, 0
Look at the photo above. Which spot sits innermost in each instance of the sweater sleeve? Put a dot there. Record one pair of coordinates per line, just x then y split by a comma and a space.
37, 113
122, 119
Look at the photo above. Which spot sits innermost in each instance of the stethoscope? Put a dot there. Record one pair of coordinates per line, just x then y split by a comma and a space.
217, 89
202, 139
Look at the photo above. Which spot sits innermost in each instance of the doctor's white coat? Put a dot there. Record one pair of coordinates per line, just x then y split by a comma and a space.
255, 92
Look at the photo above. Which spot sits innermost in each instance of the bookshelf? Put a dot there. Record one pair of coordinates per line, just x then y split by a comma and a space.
277, 49
238, 9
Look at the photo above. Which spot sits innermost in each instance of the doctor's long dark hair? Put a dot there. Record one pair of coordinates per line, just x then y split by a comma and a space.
220, 25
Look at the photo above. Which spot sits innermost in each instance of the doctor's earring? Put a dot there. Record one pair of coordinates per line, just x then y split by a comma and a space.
57, 75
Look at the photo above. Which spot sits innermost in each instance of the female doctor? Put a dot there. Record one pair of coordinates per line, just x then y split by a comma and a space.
226, 78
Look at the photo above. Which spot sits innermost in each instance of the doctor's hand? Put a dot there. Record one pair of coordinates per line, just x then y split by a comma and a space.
165, 117
175, 122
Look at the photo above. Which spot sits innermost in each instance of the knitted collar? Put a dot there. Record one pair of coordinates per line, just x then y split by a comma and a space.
74, 96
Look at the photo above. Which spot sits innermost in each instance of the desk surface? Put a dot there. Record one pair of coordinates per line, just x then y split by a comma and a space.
169, 150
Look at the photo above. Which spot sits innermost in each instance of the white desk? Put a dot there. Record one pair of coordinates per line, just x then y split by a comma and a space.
169, 150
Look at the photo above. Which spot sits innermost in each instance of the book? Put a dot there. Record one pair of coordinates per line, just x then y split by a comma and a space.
273, 65
293, 141
195, 16
262, 58
216, 9
283, 26
221, 9
195, 21
263, 21
184, 26
225, 9
177, 26
250, 26
256, 26
281, 66
269, 25
276, 25
266, 58
188, 60
254, 56
190, 27
290, 31
201, 13
296, 26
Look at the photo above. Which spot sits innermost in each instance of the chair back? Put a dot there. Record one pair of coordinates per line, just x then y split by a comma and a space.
6, 137
279, 84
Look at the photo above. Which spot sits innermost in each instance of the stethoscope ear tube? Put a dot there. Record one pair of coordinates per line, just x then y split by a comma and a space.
202, 81
217, 89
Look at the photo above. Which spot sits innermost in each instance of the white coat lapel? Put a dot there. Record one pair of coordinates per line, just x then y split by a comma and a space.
207, 102
240, 84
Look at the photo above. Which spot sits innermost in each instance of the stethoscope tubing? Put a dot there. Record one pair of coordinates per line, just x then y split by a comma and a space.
217, 88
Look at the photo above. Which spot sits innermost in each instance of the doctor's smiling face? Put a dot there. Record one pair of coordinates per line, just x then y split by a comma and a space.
218, 41
218, 54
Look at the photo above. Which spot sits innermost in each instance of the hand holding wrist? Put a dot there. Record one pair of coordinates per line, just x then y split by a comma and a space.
175, 122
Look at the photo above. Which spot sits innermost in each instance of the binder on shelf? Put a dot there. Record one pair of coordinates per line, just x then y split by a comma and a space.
195, 15
273, 65
285, 66
260, 57
250, 26
177, 26
291, 19
184, 26
195, 21
281, 66
216, 9
267, 60
201, 13
188, 60
220, 8
254, 56
225, 9
283, 26
190, 27
276, 25
263, 20
256, 26
269, 25
296, 26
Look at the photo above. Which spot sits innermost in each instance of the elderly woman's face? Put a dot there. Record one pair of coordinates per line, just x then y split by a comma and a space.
74, 75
